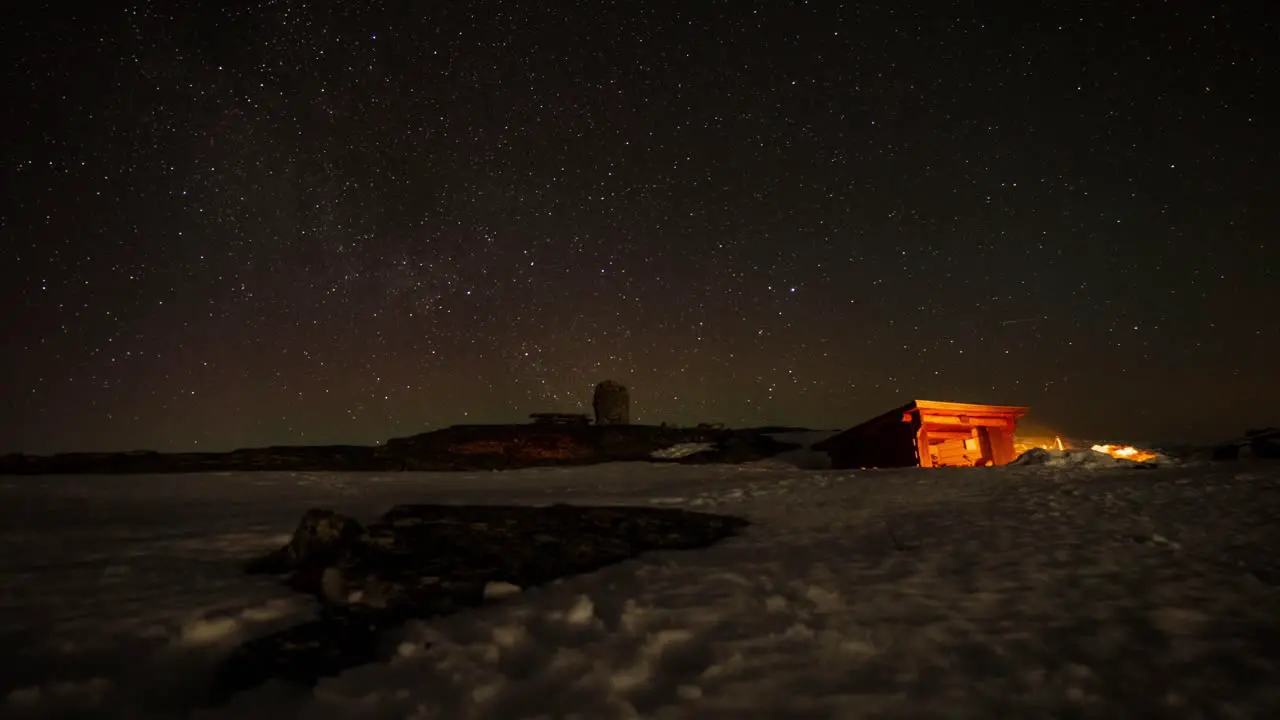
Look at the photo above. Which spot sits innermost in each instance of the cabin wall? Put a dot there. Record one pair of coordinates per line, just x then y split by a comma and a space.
984, 440
887, 444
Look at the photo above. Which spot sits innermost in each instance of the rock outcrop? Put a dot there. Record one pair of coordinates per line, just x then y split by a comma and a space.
422, 561
461, 447
289, 458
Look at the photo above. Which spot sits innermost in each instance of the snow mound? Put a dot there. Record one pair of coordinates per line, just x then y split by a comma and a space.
221, 628
893, 593
681, 450
1075, 459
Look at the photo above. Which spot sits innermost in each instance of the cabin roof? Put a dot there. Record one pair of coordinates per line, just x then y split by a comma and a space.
933, 407
946, 408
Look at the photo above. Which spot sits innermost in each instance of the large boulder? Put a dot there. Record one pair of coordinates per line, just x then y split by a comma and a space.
322, 538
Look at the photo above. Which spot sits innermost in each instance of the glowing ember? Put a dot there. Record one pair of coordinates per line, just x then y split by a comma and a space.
1126, 452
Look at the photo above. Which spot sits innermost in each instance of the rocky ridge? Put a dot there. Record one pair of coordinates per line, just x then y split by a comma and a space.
461, 447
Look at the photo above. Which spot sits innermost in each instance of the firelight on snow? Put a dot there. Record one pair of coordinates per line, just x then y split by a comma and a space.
855, 568
1126, 452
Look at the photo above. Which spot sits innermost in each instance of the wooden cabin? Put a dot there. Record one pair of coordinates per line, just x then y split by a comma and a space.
927, 433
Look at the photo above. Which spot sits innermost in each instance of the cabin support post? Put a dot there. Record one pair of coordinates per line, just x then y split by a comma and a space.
922, 441
984, 445
1001, 440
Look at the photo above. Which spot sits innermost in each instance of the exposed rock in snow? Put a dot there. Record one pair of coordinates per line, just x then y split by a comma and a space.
422, 561
322, 536
1256, 443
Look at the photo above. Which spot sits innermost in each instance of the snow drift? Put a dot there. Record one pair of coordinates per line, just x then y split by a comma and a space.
1025, 591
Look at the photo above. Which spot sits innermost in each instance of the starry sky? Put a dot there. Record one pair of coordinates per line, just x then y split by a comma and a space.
250, 223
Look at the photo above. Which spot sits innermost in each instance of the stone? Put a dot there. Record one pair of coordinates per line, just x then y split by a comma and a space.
612, 404
321, 538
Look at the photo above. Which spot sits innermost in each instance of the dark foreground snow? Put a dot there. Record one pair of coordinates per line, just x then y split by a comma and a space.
1008, 592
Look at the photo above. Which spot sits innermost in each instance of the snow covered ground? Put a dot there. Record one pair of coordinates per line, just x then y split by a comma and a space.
1041, 591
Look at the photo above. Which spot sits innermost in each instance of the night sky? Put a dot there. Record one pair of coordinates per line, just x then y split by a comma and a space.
291, 222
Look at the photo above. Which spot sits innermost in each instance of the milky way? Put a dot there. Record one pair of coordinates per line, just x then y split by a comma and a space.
291, 222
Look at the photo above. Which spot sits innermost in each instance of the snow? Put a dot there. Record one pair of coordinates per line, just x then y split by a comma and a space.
680, 450
1035, 591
